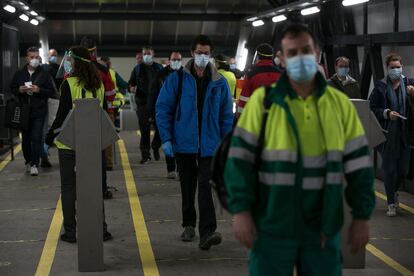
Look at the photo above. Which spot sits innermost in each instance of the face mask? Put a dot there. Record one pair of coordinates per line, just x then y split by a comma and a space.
175, 64
53, 59
343, 71
34, 62
301, 68
201, 60
277, 61
147, 58
233, 66
67, 65
395, 73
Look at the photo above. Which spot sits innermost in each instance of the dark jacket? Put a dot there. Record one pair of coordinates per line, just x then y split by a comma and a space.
139, 78
53, 68
350, 88
183, 130
37, 101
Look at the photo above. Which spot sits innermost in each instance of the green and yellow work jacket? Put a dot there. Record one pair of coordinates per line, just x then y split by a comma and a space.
76, 93
293, 189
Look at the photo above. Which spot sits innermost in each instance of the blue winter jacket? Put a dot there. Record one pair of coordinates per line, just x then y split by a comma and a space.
183, 132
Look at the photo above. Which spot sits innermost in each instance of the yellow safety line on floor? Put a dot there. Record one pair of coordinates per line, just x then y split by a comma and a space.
389, 261
6, 160
149, 265
49, 249
402, 206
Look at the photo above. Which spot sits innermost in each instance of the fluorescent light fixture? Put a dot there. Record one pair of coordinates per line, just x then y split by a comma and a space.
24, 17
353, 2
279, 18
34, 13
309, 11
243, 59
258, 23
252, 19
34, 22
26, 8
9, 8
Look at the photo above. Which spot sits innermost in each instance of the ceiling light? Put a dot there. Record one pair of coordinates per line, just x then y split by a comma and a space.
353, 2
26, 8
9, 8
34, 22
309, 11
279, 18
24, 17
34, 13
258, 23
252, 19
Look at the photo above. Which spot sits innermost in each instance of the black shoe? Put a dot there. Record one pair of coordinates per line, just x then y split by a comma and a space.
209, 240
188, 235
109, 168
107, 195
156, 155
107, 236
145, 160
70, 238
45, 164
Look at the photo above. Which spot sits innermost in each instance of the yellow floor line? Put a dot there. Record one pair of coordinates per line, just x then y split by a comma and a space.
49, 249
6, 160
149, 265
402, 206
390, 262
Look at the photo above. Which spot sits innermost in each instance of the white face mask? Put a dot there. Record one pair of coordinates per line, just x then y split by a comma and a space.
201, 60
175, 64
34, 62
147, 59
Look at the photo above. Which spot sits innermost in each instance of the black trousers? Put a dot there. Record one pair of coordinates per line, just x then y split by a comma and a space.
67, 164
170, 163
145, 128
32, 141
194, 169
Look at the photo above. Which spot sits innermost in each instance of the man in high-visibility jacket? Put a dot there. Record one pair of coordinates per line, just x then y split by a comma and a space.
289, 210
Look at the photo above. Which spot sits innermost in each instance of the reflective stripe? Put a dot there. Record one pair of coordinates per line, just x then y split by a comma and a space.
357, 164
241, 153
57, 130
335, 155
279, 155
277, 179
314, 161
239, 109
246, 136
110, 93
355, 144
313, 183
334, 178
244, 99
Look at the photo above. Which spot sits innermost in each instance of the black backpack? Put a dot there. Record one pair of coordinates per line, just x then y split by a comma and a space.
220, 157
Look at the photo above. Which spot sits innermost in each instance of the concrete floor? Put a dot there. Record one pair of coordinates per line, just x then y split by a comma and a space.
27, 205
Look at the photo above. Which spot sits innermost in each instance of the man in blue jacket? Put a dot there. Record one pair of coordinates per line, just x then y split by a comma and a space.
192, 118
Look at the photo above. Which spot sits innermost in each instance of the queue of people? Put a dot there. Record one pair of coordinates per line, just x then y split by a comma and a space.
288, 207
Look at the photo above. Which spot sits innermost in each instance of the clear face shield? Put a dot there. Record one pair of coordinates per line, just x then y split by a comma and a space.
68, 64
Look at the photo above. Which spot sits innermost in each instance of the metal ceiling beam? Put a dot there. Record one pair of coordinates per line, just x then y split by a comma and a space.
400, 38
139, 16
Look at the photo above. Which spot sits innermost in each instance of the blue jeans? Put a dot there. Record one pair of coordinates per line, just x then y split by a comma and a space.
32, 141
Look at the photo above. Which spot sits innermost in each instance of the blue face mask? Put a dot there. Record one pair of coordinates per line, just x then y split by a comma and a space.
395, 73
147, 59
343, 71
53, 59
67, 65
175, 64
301, 68
201, 60
233, 66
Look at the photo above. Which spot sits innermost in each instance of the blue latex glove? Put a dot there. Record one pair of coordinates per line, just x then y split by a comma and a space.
46, 148
168, 149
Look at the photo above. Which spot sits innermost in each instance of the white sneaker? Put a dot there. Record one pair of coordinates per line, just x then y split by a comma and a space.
28, 167
34, 171
392, 211
397, 201
171, 175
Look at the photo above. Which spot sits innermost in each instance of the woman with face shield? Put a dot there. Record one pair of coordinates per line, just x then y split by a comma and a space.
81, 81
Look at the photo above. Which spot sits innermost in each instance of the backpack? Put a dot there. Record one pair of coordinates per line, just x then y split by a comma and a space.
220, 157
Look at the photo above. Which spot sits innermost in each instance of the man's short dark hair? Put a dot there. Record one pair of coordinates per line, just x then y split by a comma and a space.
32, 49
202, 40
88, 42
296, 29
392, 57
172, 52
342, 58
105, 59
147, 48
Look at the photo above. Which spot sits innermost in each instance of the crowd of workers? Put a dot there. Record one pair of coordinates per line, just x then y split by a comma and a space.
288, 208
